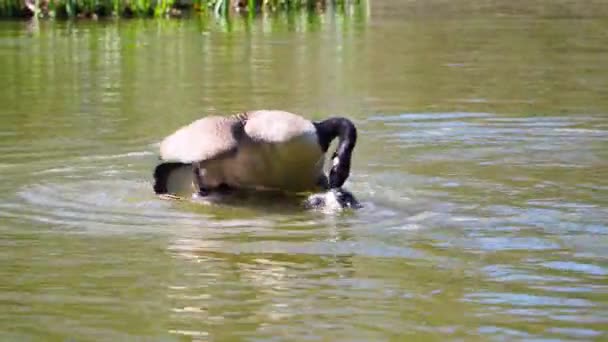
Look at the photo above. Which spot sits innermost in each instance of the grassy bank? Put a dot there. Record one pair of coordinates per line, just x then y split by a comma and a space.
155, 8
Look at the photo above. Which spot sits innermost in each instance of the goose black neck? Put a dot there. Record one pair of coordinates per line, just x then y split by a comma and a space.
346, 133
342, 128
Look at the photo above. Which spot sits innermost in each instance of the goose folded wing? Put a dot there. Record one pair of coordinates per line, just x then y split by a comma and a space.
275, 126
204, 139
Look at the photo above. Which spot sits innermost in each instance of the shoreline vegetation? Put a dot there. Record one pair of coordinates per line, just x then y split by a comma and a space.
94, 9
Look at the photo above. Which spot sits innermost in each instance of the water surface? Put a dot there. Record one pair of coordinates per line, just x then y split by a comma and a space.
482, 164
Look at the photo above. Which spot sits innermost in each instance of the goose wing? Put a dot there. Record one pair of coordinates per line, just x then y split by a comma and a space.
275, 126
203, 139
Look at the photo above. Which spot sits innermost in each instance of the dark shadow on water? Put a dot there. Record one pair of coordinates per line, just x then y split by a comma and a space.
265, 202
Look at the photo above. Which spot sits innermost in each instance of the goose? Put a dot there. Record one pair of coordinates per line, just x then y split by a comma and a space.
261, 150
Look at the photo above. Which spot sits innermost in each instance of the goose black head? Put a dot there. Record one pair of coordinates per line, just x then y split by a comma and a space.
346, 132
333, 200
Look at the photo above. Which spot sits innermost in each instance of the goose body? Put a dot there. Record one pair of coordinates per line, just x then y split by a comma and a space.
264, 149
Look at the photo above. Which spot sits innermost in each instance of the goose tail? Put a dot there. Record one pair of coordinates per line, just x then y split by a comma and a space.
173, 178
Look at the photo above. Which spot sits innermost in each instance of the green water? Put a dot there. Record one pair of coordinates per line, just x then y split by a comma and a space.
482, 163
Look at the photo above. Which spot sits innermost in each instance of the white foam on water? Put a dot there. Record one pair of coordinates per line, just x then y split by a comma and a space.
327, 202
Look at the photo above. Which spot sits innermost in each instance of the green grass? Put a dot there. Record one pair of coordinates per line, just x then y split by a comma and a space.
156, 8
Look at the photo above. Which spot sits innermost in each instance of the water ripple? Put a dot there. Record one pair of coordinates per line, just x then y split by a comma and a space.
456, 196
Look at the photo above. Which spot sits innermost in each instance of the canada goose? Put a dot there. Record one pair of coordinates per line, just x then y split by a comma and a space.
264, 149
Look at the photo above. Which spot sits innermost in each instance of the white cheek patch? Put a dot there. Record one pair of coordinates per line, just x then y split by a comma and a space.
336, 161
326, 202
